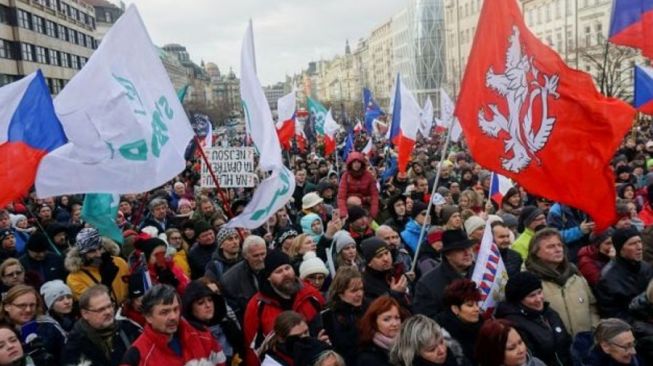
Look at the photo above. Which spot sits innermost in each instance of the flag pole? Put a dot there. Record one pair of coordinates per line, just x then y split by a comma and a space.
430, 204
215, 179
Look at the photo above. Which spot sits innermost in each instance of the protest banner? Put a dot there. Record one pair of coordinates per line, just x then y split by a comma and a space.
233, 167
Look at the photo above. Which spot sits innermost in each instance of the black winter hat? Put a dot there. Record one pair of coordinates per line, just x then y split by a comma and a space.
371, 247
147, 246
38, 242
621, 236
306, 350
455, 240
526, 217
418, 207
355, 212
202, 226
520, 285
273, 260
136, 285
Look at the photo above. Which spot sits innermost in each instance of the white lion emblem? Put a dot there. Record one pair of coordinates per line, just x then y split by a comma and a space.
515, 87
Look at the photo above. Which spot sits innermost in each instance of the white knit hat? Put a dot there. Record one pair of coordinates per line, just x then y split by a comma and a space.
473, 223
53, 290
312, 265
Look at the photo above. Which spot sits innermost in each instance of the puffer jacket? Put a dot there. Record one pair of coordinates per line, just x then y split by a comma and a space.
264, 307
197, 348
361, 184
82, 277
543, 332
411, 233
574, 302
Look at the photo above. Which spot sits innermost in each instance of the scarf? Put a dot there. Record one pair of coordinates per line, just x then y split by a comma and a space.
558, 275
103, 338
382, 341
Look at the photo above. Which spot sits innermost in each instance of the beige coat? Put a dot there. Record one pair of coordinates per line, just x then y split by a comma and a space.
574, 302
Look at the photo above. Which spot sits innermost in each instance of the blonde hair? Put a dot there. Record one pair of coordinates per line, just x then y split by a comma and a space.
10, 262
296, 245
16, 292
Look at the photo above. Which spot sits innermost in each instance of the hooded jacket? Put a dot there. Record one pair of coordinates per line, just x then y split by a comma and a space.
360, 184
82, 277
197, 348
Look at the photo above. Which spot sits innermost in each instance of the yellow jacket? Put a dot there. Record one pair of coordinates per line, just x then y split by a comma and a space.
181, 260
523, 242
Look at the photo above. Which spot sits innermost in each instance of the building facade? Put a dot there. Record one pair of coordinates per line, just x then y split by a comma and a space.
106, 14
56, 36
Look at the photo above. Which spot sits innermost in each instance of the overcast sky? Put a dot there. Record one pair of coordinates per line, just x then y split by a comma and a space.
287, 33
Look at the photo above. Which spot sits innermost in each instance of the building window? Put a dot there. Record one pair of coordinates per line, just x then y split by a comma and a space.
40, 55
62, 32
107, 17
539, 15
588, 36
38, 24
4, 11
72, 35
24, 19
82, 61
53, 57
27, 52
50, 29
599, 33
74, 13
548, 12
5, 49
74, 62
65, 59
558, 9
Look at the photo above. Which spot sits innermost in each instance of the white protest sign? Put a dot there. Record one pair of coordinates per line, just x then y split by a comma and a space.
233, 167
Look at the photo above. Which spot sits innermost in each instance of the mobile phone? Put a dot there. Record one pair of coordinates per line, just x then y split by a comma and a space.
398, 271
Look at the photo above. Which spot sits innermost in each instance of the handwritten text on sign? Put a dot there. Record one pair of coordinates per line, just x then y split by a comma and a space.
233, 166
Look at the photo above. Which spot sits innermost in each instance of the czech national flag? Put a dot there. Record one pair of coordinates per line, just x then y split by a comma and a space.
499, 185
405, 123
644, 89
286, 122
29, 129
632, 25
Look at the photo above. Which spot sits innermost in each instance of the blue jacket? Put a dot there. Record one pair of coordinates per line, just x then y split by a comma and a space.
410, 235
566, 221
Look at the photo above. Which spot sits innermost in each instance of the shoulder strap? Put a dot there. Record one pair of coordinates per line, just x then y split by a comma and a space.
91, 276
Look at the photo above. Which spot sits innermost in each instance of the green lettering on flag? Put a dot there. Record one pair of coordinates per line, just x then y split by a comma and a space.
279, 193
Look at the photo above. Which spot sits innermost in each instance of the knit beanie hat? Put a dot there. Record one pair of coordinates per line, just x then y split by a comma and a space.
355, 212
183, 202
224, 234
147, 246
88, 239
434, 235
51, 291
418, 207
273, 260
202, 226
598, 238
137, 285
510, 220
448, 211
38, 242
473, 223
621, 236
526, 217
520, 285
342, 238
312, 265
371, 247
284, 235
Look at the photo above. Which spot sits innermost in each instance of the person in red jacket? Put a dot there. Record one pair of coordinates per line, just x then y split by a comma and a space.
279, 290
168, 339
592, 258
357, 181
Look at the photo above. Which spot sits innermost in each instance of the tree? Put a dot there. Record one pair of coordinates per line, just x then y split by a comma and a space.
614, 74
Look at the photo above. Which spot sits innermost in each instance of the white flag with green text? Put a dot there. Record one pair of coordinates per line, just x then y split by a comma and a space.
126, 128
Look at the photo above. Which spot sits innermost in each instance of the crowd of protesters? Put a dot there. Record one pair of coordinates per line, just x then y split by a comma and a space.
336, 277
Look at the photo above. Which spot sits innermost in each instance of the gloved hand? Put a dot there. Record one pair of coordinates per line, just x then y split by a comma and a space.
166, 276
108, 270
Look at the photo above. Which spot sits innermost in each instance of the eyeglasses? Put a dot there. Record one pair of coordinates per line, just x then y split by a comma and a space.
317, 277
111, 307
25, 306
626, 347
14, 274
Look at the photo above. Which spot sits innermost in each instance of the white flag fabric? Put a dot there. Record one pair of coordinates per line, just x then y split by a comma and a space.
286, 108
489, 272
426, 118
270, 196
126, 128
276, 190
330, 125
259, 123
447, 118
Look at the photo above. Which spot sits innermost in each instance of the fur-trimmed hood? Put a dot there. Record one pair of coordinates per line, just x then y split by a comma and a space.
74, 262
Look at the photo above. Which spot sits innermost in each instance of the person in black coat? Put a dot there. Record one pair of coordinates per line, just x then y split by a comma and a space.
539, 326
462, 316
623, 278
97, 340
379, 278
344, 309
44, 265
511, 258
457, 263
